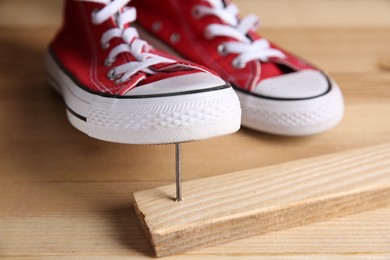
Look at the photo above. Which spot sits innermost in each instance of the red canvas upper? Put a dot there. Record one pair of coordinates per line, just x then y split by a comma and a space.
77, 48
175, 17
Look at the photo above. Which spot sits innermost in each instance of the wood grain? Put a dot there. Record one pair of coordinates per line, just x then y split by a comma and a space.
232, 206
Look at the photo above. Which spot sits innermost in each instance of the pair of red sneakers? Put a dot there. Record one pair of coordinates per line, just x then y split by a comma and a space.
118, 88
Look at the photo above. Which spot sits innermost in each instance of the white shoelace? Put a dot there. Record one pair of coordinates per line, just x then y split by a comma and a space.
132, 44
247, 49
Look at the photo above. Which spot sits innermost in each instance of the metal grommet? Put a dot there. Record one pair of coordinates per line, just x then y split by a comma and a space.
156, 26
105, 46
175, 38
238, 64
195, 12
222, 50
111, 74
118, 81
108, 63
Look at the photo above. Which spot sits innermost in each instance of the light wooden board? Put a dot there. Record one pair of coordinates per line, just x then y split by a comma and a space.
95, 220
232, 206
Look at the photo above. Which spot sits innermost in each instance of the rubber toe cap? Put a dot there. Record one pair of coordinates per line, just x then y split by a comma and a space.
304, 84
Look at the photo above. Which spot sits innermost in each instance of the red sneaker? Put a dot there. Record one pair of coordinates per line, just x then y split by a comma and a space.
117, 88
279, 93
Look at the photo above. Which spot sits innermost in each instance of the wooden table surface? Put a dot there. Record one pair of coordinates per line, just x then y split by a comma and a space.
66, 196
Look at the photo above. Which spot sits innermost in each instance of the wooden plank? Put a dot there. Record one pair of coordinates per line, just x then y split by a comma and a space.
94, 219
258, 201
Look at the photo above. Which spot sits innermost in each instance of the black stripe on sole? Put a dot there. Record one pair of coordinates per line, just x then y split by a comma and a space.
83, 118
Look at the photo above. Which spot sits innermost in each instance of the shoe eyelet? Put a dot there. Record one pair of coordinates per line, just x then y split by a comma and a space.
111, 74
175, 38
222, 50
108, 63
118, 81
105, 46
237, 64
156, 26
195, 12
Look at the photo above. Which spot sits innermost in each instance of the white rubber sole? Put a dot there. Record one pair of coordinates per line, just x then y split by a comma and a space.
154, 120
293, 117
